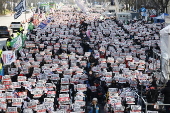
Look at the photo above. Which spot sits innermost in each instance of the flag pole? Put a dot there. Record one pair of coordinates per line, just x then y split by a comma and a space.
25, 13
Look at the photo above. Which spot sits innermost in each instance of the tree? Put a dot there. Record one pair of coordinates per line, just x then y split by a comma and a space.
2, 6
2, 2
162, 5
129, 4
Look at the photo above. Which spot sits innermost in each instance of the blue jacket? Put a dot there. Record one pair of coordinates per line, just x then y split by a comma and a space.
92, 108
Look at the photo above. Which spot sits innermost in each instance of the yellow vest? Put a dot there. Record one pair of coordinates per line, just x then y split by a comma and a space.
8, 43
18, 33
0, 65
20, 28
0, 53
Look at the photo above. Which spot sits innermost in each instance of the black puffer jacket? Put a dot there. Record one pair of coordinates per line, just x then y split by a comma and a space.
166, 92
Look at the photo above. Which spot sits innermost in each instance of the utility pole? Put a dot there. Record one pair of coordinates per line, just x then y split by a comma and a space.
136, 5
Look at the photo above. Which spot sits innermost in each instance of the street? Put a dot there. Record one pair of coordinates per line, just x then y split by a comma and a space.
86, 56
6, 21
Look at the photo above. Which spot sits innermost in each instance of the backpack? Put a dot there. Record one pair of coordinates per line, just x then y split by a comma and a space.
100, 91
152, 96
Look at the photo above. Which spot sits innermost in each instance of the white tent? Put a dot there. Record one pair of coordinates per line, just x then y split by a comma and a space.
81, 5
165, 51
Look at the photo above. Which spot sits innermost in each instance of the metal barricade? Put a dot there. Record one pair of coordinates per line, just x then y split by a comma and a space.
163, 69
146, 103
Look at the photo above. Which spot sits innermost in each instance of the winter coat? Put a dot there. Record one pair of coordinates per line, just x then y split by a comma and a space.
166, 92
94, 108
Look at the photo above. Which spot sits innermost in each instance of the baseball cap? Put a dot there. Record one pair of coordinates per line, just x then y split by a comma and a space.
94, 99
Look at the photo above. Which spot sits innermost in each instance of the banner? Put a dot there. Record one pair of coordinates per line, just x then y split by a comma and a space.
17, 42
42, 25
48, 20
21, 7
8, 57
17, 101
12, 110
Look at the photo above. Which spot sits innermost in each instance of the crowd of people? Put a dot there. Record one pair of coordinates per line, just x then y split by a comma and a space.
79, 63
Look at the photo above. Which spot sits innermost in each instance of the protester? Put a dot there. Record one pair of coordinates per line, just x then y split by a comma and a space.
72, 58
166, 92
8, 43
94, 106
152, 96
21, 29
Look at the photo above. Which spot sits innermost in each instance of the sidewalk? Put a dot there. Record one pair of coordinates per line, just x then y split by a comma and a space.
6, 15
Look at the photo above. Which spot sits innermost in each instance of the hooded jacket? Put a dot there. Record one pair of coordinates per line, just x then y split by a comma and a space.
166, 92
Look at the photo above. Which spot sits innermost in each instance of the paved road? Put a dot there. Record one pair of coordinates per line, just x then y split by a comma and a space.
6, 21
